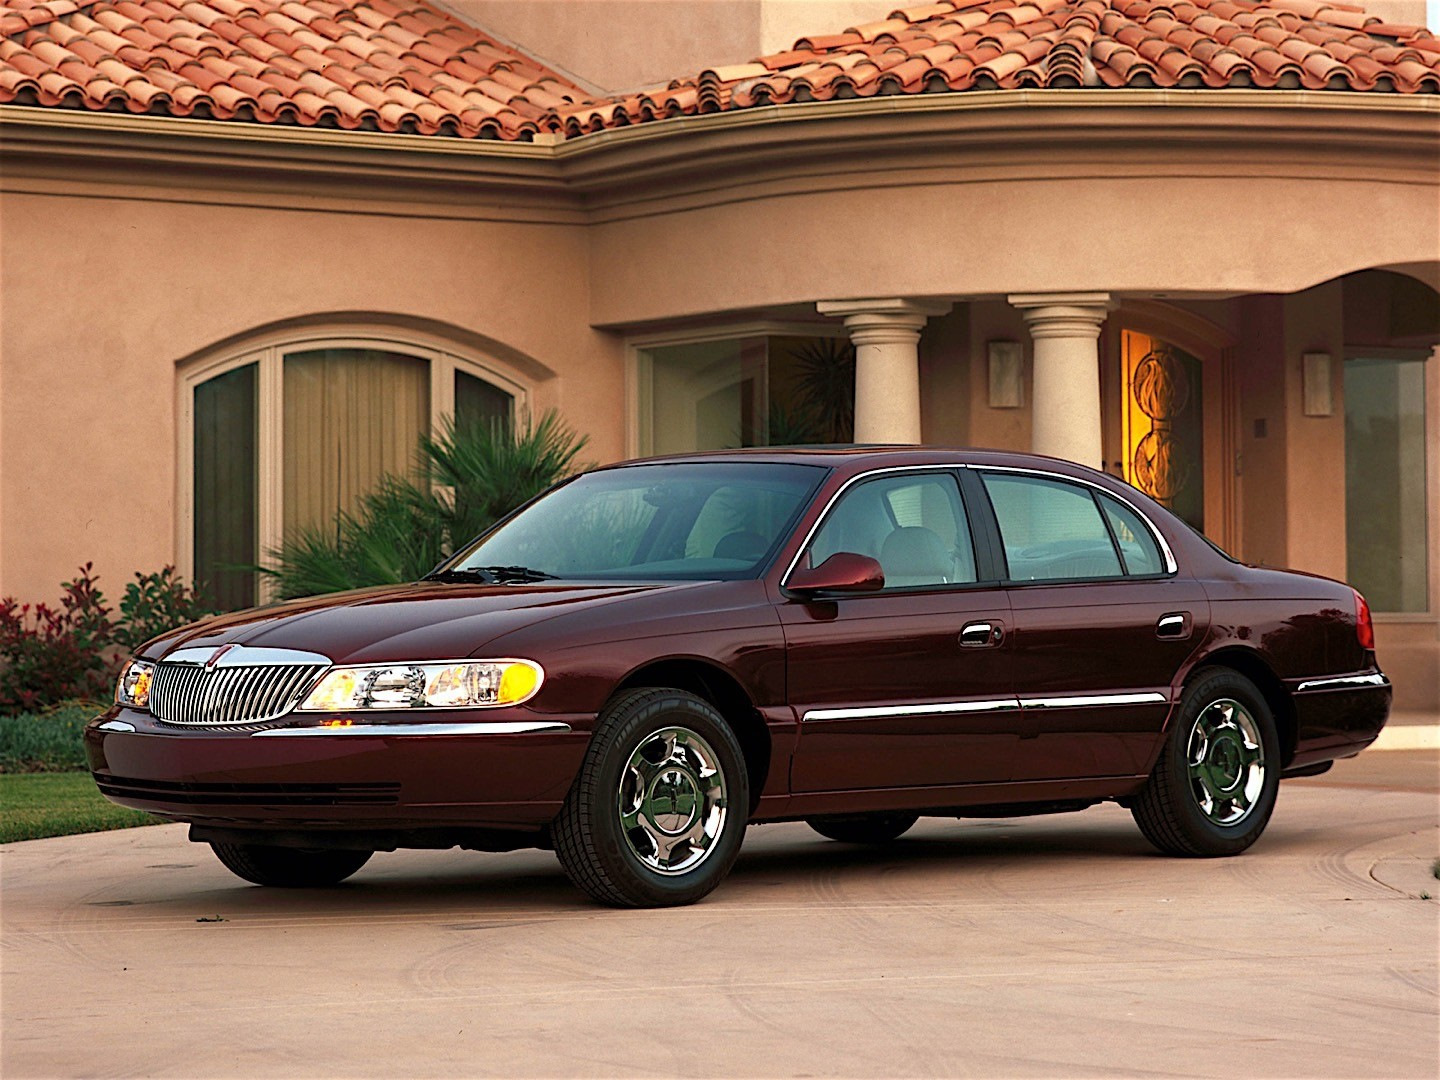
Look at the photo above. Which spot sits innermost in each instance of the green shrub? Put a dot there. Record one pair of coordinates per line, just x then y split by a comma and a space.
476, 474
156, 603
48, 741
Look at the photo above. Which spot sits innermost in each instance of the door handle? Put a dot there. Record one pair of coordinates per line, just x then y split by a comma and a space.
1175, 624
978, 635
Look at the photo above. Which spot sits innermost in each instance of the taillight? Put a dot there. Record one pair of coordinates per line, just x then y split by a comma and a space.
1364, 626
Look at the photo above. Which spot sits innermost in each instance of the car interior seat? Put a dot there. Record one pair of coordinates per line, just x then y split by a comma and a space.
915, 555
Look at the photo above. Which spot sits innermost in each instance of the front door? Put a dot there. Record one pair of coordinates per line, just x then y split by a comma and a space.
908, 686
1102, 623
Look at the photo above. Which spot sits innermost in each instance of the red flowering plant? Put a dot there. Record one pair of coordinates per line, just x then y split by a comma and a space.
54, 654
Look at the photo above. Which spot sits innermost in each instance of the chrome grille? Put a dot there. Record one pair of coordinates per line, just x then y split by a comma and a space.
190, 693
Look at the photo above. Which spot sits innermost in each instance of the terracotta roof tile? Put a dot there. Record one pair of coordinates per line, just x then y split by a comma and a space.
372, 64
958, 45
406, 66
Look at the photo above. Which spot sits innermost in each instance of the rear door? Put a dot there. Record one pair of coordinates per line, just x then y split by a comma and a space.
1102, 621
909, 686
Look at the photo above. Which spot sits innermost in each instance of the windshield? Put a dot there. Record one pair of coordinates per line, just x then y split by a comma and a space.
681, 521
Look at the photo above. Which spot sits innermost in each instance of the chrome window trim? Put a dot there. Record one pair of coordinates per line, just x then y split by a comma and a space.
1081, 701
1171, 566
496, 727
234, 655
1073, 701
1343, 682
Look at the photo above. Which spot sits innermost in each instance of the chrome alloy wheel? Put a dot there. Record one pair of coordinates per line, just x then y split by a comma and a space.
672, 802
1226, 761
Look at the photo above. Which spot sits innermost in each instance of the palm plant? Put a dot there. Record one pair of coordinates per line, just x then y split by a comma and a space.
825, 384
474, 474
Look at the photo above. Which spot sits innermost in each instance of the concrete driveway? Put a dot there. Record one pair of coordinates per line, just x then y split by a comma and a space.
1044, 947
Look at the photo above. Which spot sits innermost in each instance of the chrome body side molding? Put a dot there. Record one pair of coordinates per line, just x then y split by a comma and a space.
944, 708
382, 730
1344, 682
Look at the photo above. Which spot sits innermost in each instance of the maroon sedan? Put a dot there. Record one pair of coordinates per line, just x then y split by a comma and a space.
639, 663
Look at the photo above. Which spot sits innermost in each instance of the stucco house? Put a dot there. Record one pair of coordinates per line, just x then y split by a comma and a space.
252, 248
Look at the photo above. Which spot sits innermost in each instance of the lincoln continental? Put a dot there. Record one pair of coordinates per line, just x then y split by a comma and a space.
644, 660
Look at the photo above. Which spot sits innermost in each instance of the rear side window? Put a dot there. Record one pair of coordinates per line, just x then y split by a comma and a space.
1137, 543
1050, 530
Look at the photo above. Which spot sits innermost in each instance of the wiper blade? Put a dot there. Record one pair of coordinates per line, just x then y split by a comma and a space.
518, 573
491, 575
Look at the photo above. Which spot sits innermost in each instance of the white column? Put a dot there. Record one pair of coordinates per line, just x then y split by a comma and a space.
1066, 408
886, 336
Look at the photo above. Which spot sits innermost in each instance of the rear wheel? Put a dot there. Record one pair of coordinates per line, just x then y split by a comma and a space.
656, 816
1214, 787
878, 828
290, 868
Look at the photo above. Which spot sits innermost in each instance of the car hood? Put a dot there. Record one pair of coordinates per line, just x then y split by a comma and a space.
419, 621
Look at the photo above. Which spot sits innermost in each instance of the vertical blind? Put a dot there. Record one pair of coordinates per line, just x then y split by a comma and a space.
351, 416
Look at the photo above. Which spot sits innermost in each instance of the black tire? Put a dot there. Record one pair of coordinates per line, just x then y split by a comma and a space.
607, 860
290, 868
1171, 808
879, 828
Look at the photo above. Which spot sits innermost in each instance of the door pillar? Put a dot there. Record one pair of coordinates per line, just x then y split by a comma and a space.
886, 336
1065, 328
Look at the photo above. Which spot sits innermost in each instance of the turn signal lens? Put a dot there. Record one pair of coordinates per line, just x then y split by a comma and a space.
1364, 625
133, 688
461, 684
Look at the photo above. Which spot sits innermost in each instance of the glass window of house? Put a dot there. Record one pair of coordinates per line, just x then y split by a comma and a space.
1385, 511
351, 417
1050, 530
780, 390
914, 525
346, 415
225, 462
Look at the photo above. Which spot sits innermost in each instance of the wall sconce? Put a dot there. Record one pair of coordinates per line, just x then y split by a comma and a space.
1316, 386
1007, 374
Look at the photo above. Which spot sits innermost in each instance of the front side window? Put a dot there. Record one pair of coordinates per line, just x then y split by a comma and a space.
1385, 513
680, 521
288, 437
914, 525
1050, 530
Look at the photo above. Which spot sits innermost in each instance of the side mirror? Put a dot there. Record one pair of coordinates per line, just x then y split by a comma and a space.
843, 572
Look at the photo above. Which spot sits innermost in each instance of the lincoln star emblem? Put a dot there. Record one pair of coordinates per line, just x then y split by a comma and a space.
216, 655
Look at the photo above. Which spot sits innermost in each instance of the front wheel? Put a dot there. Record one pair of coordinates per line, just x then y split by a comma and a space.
656, 816
878, 828
1214, 787
289, 868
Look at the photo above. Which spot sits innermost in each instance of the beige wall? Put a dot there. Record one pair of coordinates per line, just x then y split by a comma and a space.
103, 297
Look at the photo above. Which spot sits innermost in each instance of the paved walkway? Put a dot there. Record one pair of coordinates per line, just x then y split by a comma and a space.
1048, 947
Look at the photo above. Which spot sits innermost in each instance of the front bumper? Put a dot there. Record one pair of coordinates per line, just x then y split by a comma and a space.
510, 769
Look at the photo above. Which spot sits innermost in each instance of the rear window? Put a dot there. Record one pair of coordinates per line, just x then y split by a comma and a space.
1051, 530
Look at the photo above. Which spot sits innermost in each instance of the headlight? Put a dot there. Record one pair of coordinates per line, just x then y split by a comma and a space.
134, 685
452, 684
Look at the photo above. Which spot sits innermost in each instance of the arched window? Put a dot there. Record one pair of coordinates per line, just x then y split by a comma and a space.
285, 435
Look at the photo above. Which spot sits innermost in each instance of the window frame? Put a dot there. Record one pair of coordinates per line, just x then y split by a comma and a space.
1431, 359
268, 353
639, 382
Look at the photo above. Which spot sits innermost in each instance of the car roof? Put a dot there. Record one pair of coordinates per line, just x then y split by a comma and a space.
858, 457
